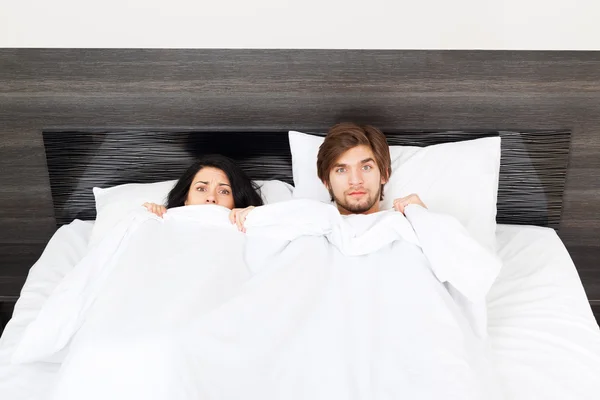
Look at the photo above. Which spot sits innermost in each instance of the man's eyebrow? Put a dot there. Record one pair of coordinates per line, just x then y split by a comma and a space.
366, 160
340, 165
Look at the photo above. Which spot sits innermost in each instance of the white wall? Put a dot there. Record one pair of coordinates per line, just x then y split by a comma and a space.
367, 24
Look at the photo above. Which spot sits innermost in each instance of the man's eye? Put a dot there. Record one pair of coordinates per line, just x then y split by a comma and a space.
340, 170
367, 167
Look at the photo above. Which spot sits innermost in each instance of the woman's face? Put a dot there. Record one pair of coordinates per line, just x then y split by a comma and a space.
210, 186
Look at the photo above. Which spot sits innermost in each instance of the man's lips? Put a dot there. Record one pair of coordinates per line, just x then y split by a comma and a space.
356, 193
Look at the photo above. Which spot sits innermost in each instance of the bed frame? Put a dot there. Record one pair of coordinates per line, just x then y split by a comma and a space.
89, 98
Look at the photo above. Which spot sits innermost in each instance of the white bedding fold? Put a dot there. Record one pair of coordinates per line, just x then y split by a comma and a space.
339, 307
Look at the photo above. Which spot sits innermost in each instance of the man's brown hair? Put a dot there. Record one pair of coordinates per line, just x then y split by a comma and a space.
347, 135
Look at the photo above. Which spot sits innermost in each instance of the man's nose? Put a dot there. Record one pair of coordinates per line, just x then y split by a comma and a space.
356, 177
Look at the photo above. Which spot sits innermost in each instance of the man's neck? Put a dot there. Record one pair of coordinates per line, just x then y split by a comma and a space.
371, 210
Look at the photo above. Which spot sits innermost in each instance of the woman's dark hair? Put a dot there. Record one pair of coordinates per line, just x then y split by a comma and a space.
245, 192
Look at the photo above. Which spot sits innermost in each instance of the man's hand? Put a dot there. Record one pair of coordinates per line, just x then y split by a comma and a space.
154, 208
238, 216
400, 204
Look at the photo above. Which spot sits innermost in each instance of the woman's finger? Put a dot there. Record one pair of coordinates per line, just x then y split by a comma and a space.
239, 221
157, 209
245, 214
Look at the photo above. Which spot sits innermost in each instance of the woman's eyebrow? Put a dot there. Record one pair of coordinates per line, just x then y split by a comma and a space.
220, 183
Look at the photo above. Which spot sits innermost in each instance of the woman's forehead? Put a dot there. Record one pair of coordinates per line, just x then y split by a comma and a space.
209, 174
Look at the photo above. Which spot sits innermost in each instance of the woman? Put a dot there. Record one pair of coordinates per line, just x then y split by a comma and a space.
213, 179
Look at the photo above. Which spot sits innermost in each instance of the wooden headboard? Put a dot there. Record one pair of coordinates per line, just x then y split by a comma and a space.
532, 173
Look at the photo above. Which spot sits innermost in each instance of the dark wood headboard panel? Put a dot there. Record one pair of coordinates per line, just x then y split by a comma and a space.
532, 173
277, 90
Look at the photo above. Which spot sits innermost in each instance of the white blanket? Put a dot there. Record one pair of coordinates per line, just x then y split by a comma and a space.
307, 305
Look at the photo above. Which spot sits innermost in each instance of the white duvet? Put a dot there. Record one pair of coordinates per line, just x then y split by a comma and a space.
306, 305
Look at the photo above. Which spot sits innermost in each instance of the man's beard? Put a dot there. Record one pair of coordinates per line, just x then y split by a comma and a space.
357, 208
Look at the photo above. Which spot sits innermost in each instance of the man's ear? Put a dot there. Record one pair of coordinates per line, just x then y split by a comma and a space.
385, 180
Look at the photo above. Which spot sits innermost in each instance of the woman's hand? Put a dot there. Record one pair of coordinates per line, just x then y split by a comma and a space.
154, 208
400, 204
238, 216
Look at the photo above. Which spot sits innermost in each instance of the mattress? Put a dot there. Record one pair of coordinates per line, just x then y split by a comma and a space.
544, 338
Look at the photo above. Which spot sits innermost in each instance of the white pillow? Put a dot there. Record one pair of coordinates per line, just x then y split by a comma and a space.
275, 191
458, 179
114, 203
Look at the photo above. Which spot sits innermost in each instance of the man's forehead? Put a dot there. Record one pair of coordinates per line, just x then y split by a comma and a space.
356, 155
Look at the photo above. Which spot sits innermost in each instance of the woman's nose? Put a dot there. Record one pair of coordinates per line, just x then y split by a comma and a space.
211, 199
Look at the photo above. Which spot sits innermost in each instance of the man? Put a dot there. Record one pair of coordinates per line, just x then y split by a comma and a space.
354, 164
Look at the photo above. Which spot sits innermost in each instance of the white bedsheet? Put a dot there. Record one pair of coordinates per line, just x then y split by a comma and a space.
535, 306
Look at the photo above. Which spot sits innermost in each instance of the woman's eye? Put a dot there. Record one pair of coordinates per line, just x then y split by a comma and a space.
225, 192
200, 189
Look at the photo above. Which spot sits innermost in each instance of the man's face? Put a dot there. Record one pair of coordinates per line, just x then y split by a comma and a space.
355, 182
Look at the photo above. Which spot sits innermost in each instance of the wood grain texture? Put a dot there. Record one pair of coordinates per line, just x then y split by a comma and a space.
291, 89
6, 310
596, 311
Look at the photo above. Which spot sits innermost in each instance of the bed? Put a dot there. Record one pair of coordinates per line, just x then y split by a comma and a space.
545, 341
